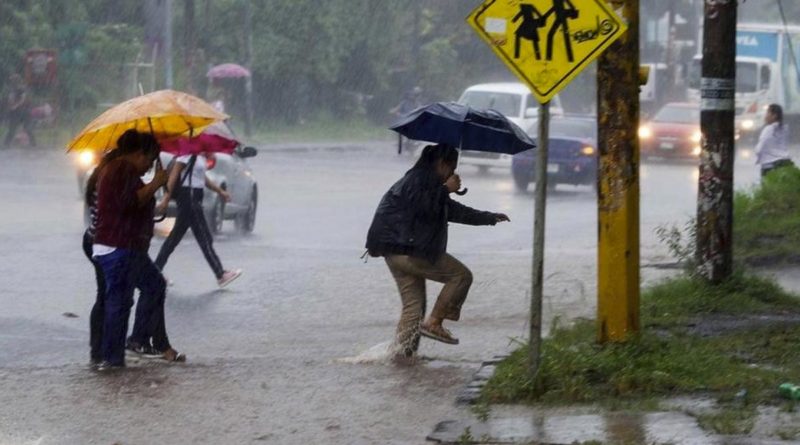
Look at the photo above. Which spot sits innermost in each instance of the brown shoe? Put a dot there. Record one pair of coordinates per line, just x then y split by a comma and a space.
172, 355
438, 333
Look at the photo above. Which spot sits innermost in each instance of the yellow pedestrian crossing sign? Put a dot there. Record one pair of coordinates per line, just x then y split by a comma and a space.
546, 43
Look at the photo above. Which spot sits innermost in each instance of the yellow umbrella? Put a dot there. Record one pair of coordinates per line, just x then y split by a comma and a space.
163, 113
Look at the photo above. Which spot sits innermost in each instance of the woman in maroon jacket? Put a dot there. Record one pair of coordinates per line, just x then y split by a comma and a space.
122, 237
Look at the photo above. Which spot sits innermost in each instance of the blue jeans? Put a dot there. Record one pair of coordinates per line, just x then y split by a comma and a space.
124, 271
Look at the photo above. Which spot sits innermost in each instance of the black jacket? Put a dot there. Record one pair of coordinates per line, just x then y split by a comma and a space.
412, 217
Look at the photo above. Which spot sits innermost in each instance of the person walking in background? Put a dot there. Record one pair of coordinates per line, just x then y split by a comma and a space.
122, 236
771, 149
411, 100
187, 179
18, 110
410, 231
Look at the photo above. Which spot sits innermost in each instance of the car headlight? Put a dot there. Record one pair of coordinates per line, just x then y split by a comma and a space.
748, 124
587, 150
696, 136
87, 158
645, 132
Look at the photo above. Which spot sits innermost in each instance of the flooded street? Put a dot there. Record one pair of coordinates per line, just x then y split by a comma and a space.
283, 354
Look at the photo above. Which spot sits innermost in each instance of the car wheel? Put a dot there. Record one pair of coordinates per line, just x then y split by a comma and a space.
217, 216
521, 182
246, 221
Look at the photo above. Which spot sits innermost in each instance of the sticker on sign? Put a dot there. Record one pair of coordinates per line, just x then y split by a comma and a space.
496, 26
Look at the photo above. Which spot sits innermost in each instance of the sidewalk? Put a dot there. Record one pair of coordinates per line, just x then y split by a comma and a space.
300, 147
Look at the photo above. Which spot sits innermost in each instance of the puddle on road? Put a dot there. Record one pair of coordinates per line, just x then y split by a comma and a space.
787, 276
556, 427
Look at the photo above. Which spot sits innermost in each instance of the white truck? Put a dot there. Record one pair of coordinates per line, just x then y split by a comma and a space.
767, 66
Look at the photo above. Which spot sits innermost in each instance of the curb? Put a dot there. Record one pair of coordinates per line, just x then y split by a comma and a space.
470, 394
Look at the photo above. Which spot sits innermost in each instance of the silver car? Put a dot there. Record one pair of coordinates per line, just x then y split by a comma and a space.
233, 174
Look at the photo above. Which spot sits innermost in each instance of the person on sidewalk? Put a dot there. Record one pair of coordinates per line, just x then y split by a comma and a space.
409, 230
771, 150
19, 110
191, 169
122, 237
410, 101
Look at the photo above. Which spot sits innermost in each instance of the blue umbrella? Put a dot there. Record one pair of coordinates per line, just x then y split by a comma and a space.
464, 127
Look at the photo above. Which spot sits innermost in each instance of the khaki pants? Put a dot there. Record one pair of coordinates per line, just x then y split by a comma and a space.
410, 274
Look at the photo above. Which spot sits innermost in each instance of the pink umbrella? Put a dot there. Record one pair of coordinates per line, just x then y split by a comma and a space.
227, 70
216, 139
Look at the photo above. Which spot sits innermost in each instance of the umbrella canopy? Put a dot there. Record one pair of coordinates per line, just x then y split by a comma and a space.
217, 138
165, 114
463, 126
227, 70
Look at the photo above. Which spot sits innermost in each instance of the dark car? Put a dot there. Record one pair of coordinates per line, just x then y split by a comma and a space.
673, 133
572, 154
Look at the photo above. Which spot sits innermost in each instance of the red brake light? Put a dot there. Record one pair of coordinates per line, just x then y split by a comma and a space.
210, 163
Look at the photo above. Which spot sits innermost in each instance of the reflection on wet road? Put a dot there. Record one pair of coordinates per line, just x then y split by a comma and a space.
265, 354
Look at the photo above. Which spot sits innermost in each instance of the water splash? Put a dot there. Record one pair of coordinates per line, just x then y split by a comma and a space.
380, 353
401, 350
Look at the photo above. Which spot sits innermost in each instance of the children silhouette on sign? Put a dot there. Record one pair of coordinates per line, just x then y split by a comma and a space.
533, 20
564, 11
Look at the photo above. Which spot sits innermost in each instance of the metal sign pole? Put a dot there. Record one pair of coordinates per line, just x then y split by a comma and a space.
537, 272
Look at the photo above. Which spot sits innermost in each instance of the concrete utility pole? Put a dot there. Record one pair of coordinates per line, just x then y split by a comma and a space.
168, 44
715, 187
618, 181
248, 54
189, 44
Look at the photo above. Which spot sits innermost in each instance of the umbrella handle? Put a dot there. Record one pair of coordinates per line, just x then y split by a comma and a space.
462, 192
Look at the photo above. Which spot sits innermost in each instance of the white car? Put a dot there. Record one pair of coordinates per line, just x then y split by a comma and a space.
515, 101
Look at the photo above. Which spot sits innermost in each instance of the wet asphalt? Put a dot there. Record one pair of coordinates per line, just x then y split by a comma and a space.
284, 354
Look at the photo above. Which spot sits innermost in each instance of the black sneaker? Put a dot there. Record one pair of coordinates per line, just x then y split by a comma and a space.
105, 366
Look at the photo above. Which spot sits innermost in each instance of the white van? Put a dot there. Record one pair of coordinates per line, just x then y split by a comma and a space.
515, 101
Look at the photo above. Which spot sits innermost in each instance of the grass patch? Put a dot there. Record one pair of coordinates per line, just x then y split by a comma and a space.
767, 218
677, 299
322, 129
668, 360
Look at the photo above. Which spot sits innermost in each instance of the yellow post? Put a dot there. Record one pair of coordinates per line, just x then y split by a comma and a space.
618, 182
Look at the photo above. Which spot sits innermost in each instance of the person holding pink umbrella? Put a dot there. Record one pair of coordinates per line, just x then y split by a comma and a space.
186, 184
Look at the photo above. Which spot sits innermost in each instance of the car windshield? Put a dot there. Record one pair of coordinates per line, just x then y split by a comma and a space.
506, 103
746, 77
573, 128
678, 115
